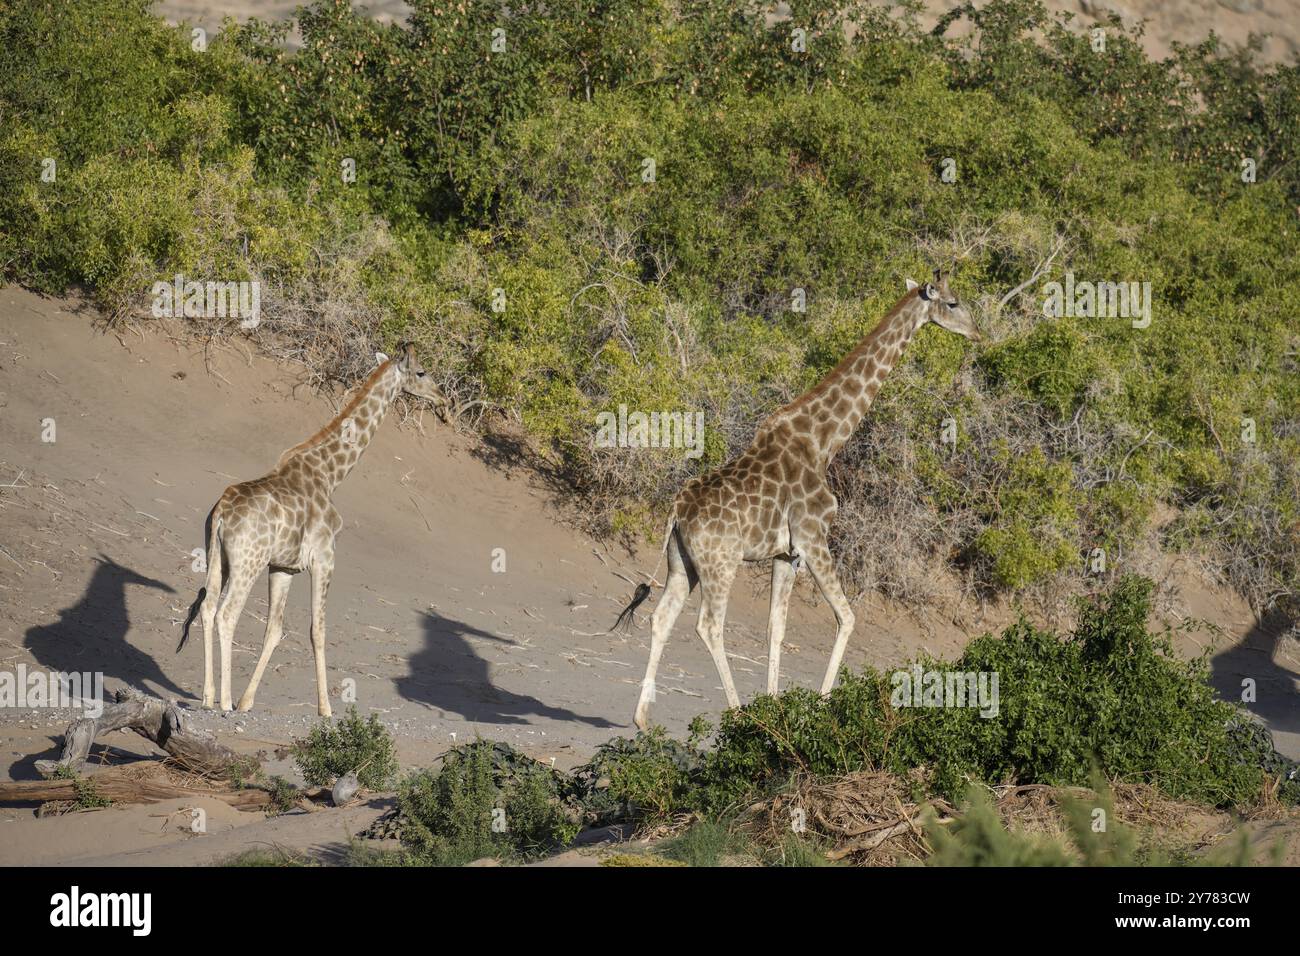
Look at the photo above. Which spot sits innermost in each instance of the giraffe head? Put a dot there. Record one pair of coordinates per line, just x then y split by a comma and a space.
940, 306
415, 381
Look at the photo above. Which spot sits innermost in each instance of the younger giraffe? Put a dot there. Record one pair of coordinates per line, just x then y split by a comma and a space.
773, 501
285, 522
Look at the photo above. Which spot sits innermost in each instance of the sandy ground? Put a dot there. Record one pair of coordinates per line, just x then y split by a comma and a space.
1167, 21
96, 530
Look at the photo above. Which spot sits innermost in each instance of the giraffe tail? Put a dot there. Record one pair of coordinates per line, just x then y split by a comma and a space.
213, 583
643, 590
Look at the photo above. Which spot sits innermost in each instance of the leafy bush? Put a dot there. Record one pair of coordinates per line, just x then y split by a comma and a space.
486, 799
1112, 693
345, 745
645, 777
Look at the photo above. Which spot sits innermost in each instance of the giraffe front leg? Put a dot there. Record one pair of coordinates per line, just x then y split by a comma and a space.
321, 571
783, 573
822, 566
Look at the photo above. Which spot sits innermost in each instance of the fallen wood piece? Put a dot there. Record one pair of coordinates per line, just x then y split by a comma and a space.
879, 837
156, 720
120, 788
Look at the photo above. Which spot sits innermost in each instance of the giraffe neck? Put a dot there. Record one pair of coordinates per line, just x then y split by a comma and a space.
332, 452
836, 405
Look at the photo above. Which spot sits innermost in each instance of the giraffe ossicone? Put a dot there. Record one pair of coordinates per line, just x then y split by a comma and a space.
773, 502
285, 522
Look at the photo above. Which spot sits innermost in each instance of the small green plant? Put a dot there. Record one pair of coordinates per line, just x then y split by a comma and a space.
486, 799
978, 838
348, 744
1093, 837
284, 795
797, 850
708, 843
88, 797
645, 778
263, 857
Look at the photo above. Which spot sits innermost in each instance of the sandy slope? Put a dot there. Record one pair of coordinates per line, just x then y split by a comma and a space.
97, 528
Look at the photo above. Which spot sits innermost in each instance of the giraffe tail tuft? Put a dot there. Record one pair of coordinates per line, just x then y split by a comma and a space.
213, 528
638, 598
643, 590
189, 618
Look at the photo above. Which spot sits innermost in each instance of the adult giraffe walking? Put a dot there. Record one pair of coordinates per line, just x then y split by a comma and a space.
285, 522
773, 501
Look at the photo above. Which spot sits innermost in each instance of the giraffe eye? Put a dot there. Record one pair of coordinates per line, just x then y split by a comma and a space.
420, 374
952, 304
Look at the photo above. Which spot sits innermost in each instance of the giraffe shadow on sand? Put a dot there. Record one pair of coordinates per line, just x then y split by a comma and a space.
449, 675
91, 635
1256, 656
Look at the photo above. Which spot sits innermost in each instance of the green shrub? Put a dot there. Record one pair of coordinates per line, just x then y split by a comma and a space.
348, 744
1111, 693
647, 777
707, 843
485, 800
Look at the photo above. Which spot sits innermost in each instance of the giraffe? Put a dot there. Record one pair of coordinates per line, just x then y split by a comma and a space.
285, 522
773, 501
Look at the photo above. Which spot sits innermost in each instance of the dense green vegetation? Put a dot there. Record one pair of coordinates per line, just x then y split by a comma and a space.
1111, 695
524, 169
1109, 702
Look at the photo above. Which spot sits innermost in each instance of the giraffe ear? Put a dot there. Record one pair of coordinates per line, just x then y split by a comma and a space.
911, 284
380, 358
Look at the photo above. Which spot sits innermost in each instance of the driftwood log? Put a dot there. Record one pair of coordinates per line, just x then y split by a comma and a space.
156, 720
119, 787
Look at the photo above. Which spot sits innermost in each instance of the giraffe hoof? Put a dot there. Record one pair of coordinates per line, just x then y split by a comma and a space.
244, 706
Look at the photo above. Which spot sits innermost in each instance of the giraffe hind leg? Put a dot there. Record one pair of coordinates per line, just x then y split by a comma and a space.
278, 582
681, 581
214, 593
242, 575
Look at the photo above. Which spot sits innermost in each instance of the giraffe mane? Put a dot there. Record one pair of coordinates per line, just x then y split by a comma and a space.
357, 398
852, 357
